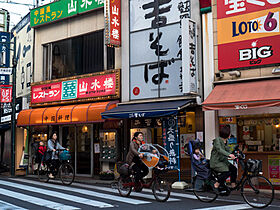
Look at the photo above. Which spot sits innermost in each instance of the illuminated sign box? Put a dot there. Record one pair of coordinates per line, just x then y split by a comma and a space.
86, 87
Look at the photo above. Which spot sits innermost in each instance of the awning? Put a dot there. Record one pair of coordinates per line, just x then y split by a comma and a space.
247, 95
82, 113
155, 109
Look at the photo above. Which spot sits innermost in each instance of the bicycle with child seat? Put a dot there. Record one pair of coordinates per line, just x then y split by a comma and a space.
158, 162
64, 170
256, 190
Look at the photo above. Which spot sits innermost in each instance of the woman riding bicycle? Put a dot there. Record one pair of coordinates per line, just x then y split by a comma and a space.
53, 145
219, 159
135, 157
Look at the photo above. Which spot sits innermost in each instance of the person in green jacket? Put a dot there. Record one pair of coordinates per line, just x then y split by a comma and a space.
219, 158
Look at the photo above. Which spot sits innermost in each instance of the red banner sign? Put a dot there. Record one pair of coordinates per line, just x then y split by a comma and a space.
6, 93
113, 22
250, 53
46, 93
96, 86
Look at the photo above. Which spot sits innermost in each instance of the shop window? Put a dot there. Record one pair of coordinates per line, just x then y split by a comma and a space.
77, 56
108, 146
110, 57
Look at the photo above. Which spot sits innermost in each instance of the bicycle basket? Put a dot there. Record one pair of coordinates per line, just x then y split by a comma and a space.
124, 169
254, 166
65, 155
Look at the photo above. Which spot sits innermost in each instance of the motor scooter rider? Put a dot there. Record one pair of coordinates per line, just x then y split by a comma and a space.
133, 156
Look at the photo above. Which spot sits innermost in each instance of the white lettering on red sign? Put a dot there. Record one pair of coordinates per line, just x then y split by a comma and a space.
236, 6
241, 106
115, 22
6, 94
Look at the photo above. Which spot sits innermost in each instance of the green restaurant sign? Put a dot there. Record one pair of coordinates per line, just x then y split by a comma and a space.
62, 9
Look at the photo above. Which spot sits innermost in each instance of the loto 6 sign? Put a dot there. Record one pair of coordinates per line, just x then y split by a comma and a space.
248, 33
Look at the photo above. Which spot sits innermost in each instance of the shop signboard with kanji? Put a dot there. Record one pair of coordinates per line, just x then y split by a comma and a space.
46, 93
248, 33
170, 141
6, 110
113, 22
5, 38
62, 9
97, 86
80, 88
156, 48
6, 93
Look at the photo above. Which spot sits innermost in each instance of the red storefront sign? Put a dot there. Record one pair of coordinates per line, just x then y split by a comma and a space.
46, 93
113, 22
6, 93
89, 87
248, 31
251, 53
97, 86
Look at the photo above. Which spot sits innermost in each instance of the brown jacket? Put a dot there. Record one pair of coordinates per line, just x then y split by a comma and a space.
133, 151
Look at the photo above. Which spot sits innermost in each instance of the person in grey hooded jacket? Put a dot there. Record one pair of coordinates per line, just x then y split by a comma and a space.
53, 145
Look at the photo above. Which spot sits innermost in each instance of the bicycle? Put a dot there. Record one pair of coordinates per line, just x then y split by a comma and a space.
256, 190
160, 187
64, 170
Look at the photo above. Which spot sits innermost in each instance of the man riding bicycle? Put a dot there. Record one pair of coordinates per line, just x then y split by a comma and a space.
219, 159
135, 157
53, 145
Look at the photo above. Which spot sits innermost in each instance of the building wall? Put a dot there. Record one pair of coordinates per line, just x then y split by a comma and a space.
65, 29
125, 52
210, 119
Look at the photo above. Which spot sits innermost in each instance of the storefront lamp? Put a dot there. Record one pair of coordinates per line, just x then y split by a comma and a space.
277, 126
85, 129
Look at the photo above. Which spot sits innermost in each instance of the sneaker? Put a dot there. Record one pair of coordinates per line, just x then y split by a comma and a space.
216, 190
51, 176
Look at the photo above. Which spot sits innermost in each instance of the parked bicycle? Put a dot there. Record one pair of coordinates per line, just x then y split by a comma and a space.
158, 161
64, 169
256, 190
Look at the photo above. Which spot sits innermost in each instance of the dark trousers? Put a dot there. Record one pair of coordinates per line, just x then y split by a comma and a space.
232, 173
139, 168
54, 164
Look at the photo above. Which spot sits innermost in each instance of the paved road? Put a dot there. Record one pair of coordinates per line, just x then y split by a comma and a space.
20, 194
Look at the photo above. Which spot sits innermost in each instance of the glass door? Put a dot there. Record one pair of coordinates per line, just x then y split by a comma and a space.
68, 141
84, 150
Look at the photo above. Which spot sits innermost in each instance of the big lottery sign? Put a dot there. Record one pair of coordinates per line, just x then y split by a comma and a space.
248, 33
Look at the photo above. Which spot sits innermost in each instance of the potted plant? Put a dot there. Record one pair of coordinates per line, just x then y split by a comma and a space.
106, 175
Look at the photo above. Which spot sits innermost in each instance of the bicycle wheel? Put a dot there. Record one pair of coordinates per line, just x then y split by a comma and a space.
257, 191
161, 189
202, 189
124, 190
43, 172
67, 173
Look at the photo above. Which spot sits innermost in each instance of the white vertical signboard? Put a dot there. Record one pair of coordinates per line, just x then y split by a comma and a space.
189, 56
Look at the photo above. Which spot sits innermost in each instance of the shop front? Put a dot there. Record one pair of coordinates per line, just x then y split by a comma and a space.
75, 114
170, 124
252, 110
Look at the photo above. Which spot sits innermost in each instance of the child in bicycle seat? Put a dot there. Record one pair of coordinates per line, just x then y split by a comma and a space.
198, 156
41, 150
